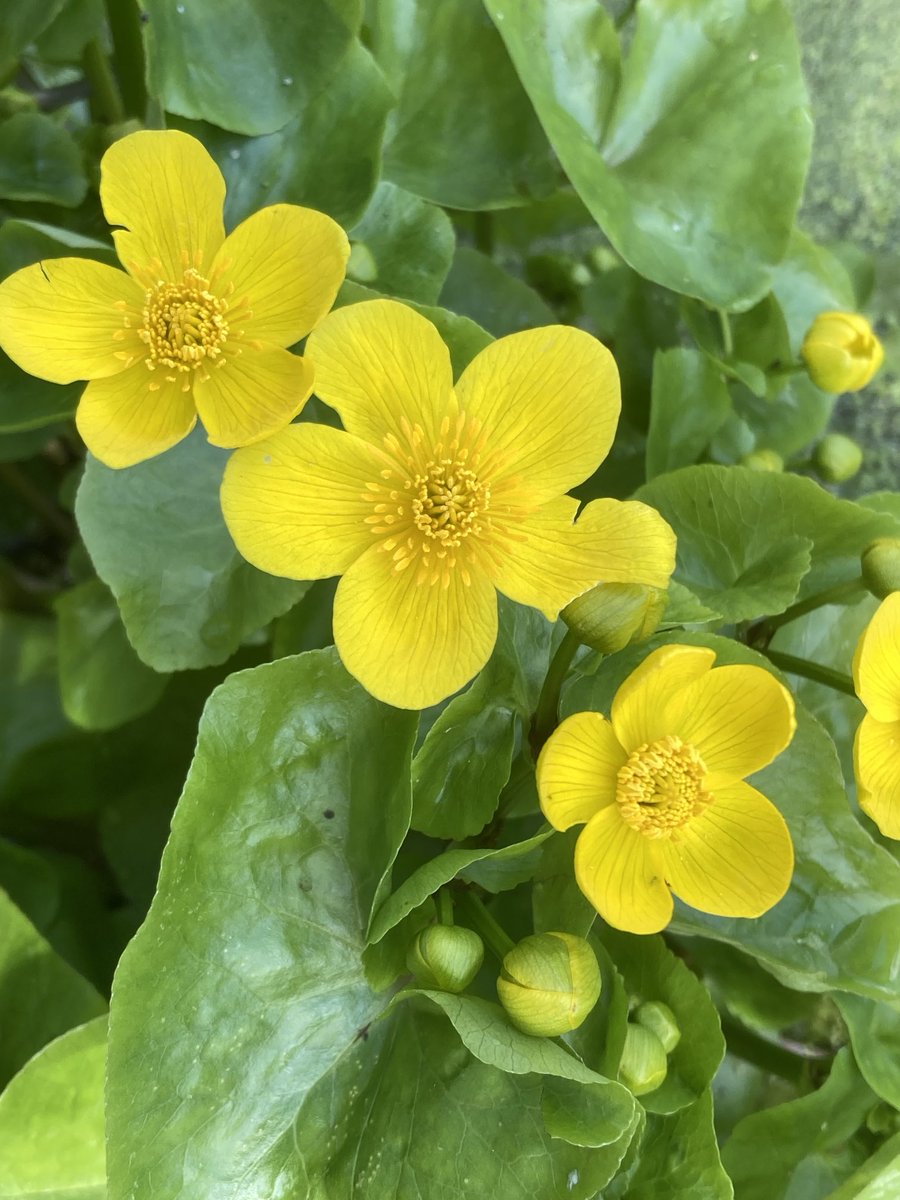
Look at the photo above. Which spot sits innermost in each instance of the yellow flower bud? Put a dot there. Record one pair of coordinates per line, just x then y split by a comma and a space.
549, 983
841, 352
881, 567
613, 615
837, 458
763, 460
644, 1065
660, 1019
445, 957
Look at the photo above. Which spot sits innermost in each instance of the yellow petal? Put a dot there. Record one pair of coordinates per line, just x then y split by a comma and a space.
166, 192
549, 402
876, 665
630, 541
738, 717
64, 319
383, 368
876, 755
638, 710
412, 644
284, 266
577, 768
619, 871
252, 395
294, 503
123, 422
735, 859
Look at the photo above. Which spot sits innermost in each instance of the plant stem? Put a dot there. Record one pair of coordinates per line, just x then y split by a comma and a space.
851, 589
483, 232
765, 1055
124, 20
492, 934
445, 906
106, 101
546, 715
727, 338
810, 670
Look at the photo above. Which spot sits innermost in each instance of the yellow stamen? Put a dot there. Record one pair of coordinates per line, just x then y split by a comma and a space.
184, 324
662, 787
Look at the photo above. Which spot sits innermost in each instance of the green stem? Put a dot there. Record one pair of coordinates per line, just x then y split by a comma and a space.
851, 589
124, 20
445, 906
106, 101
483, 232
727, 337
492, 934
776, 1060
810, 670
787, 370
546, 715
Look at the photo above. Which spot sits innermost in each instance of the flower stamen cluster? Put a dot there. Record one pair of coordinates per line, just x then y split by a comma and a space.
662, 787
184, 324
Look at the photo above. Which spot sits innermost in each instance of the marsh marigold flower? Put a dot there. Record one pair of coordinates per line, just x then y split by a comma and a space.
876, 674
841, 352
198, 323
432, 498
660, 788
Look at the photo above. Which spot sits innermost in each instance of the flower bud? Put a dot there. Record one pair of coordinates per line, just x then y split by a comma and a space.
361, 264
763, 460
643, 1066
549, 983
613, 615
660, 1019
445, 957
881, 567
841, 352
837, 458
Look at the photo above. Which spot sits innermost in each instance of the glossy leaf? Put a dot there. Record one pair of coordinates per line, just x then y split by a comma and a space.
689, 403
409, 241
875, 1036
157, 539
22, 24
478, 288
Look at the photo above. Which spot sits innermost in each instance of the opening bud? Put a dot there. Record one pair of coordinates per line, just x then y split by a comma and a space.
660, 1019
644, 1064
763, 460
881, 567
445, 957
613, 615
549, 983
841, 352
837, 458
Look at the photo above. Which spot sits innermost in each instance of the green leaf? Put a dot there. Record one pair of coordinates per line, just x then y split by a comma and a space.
769, 1153
839, 924
30, 710
39, 160
749, 542
877, 1179
262, 62
498, 301
245, 980
810, 280
599, 1040
102, 681
875, 1036
22, 23
464, 338
652, 972
156, 536
432, 876
678, 1158
465, 761
699, 81
463, 133
558, 903
326, 157
787, 421
409, 241
689, 403
41, 996
51, 1121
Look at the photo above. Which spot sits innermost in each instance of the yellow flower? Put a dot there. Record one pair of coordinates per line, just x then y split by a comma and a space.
432, 497
841, 352
661, 788
198, 325
876, 753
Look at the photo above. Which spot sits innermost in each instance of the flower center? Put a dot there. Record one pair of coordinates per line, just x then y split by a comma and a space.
447, 501
184, 324
662, 786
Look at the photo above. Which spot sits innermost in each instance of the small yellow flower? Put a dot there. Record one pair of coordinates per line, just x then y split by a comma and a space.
198, 325
876, 674
841, 352
432, 498
661, 788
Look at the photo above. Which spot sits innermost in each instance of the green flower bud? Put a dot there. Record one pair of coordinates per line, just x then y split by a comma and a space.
644, 1064
361, 264
613, 615
763, 460
881, 567
660, 1019
841, 352
837, 458
549, 983
445, 957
